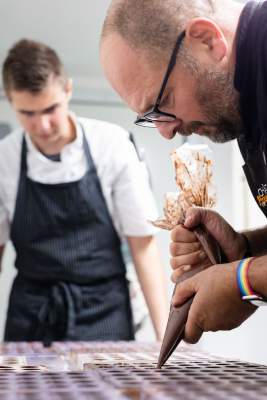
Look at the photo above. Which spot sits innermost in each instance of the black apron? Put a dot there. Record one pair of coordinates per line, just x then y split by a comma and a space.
71, 282
255, 169
251, 82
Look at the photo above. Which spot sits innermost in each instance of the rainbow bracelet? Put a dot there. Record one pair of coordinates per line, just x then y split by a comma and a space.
242, 277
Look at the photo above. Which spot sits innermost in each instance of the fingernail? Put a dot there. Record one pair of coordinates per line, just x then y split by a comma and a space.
187, 268
202, 255
188, 221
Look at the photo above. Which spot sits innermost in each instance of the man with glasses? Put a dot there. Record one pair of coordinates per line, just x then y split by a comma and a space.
201, 67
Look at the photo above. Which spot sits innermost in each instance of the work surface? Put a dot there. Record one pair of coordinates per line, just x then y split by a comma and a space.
123, 370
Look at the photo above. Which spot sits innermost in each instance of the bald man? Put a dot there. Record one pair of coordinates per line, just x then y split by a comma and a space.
201, 66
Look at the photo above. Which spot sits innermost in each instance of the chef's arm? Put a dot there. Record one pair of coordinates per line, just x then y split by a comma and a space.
257, 275
257, 241
150, 273
2, 248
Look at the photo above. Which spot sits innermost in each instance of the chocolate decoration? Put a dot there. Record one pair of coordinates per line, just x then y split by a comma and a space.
178, 316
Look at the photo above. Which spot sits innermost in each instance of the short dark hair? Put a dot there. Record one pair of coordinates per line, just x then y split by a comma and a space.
29, 65
153, 25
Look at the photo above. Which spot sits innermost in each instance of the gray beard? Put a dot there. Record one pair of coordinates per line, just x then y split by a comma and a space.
221, 108
219, 103
221, 132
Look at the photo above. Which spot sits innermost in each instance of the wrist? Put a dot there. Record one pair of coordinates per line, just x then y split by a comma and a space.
247, 252
244, 248
247, 292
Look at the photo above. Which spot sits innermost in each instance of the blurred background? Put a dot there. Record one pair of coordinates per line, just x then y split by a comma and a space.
72, 28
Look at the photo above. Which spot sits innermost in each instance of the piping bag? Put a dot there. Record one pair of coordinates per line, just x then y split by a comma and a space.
193, 170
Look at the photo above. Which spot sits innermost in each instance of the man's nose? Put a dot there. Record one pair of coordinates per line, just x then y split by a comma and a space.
169, 129
44, 123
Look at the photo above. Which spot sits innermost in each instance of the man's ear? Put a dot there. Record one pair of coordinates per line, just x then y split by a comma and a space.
68, 88
205, 36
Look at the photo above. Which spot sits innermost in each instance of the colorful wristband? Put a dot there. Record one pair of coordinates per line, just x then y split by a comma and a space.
242, 277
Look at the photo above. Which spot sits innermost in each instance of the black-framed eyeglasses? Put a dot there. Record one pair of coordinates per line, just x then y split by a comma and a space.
154, 114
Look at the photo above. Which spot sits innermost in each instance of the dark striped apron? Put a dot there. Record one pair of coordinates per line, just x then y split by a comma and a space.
255, 169
71, 281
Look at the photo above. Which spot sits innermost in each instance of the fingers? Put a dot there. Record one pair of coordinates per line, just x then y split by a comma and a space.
182, 234
185, 248
184, 292
196, 216
179, 249
192, 331
218, 227
186, 252
179, 272
196, 257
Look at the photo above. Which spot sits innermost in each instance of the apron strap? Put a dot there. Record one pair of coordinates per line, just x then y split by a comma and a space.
91, 164
23, 162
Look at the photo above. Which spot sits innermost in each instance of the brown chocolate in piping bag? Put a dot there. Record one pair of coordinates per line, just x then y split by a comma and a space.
178, 316
193, 176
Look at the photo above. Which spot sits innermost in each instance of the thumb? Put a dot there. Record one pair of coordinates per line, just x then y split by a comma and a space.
196, 216
217, 227
184, 291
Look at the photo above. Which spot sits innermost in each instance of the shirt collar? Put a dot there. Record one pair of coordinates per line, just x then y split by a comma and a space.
76, 144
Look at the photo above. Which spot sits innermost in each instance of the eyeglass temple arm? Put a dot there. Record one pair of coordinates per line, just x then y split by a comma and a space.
170, 66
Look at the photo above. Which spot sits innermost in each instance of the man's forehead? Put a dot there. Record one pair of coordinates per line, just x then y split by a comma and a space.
142, 93
130, 73
26, 100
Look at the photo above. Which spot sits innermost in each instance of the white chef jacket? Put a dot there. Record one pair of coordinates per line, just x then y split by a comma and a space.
122, 176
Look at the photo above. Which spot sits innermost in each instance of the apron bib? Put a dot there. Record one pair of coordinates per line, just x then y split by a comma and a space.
71, 281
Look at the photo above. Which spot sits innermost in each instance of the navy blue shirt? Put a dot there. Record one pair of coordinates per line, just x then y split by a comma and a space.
251, 74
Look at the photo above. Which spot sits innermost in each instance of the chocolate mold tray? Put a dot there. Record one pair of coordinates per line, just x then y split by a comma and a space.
121, 371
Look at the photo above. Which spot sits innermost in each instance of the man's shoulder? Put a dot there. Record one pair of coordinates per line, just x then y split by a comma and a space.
109, 143
10, 148
14, 138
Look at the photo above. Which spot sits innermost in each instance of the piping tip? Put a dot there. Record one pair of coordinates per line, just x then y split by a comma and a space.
160, 364
178, 316
174, 332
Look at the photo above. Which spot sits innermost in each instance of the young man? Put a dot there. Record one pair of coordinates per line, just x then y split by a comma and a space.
70, 188
201, 66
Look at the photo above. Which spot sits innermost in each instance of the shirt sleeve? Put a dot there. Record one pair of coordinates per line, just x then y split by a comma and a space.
10, 148
134, 204
4, 223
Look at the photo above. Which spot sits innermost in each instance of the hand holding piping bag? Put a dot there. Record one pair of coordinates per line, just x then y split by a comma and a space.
194, 247
194, 180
